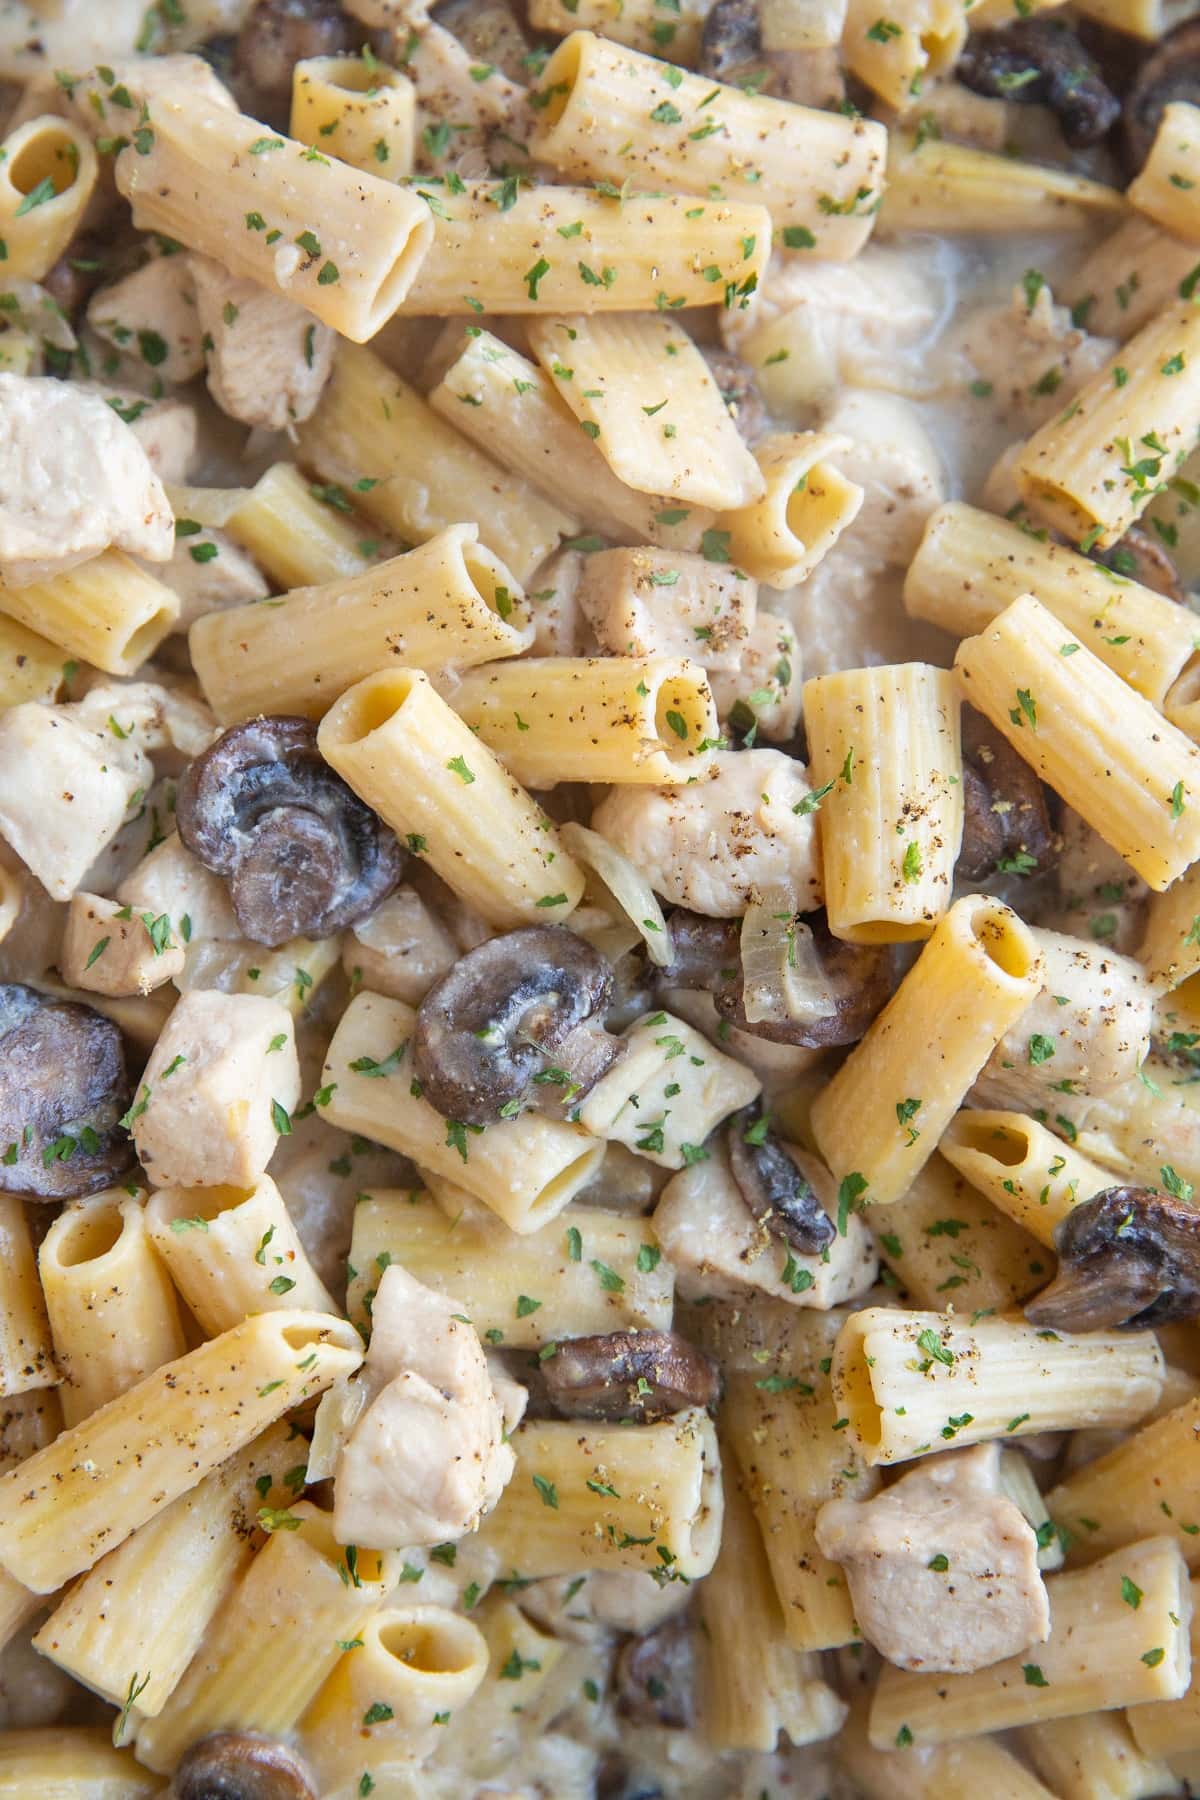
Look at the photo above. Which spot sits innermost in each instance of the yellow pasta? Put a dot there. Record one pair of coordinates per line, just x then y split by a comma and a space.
362, 112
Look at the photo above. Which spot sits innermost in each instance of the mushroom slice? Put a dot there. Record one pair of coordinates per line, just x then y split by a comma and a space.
1172, 73
63, 1091
302, 854
1142, 558
520, 1012
1129, 1256
241, 1765
1042, 62
774, 1188
653, 1677
629, 1374
1006, 826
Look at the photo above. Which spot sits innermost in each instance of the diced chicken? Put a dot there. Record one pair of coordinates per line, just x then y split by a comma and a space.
73, 481
718, 1249
268, 359
167, 429
218, 1089
942, 1568
66, 788
766, 688
153, 312
710, 845
210, 572
560, 627
1031, 355
650, 602
169, 879
894, 460
426, 1458
400, 950
110, 949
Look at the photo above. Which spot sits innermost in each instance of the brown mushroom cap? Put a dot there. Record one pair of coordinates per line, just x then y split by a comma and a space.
1042, 62
1172, 73
518, 1017
654, 1676
774, 1188
1006, 825
277, 34
301, 853
63, 1091
241, 1765
1128, 1257
629, 1374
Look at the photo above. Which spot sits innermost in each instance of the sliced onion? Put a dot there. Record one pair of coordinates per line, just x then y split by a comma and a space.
26, 303
784, 980
630, 890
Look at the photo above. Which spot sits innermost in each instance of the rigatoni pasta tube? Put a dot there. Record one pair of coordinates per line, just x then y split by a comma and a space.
125, 1463
407, 469
808, 503
490, 1271
234, 1251
1107, 751
266, 1654
362, 112
137, 1619
35, 232
113, 1312
70, 1762
1165, 1727
1101, 1653
295, 538
640, 250
594, 718
971, 565
604, 1496
607, 112
26, 1352
1166, 189
948, 1245
449, 602
913, 1382
413, 760
1090, 471
946, 187
415, 1668
109, 612
1150, 1482
525, 1169
338, 241
885, 747
879, 1119
1025, 1171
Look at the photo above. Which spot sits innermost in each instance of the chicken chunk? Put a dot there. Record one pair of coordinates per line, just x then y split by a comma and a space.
711, 845
153, 311
73, 481
110, 949
219, 1087
425, 1458
942, 1568
269, 359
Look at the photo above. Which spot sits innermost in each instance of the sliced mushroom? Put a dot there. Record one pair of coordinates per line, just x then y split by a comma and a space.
1006, 826
1129, 1256
1142, 558
241, 1765
1041, 62
629, 1374
63, 1091
302, 855
653, 1677
277, 34
1172, 73
773, 1187
519, 1018
739, 391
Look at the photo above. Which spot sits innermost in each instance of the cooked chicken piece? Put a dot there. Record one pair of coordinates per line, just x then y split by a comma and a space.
426, 1458
711, 845
73, 481
268, 359
152, 313
942, 1568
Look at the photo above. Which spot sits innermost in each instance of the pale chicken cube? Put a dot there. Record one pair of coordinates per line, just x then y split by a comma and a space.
714, 843
268, 359
426, 1458
167, 429
73, 481
153, 313
169, 879
66, 789
111, 949
218, 1091
650, 602
400, 949
942, 1567
894, 460
210, 572
765, 689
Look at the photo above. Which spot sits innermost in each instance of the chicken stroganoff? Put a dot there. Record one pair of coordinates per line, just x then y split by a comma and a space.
599, 899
